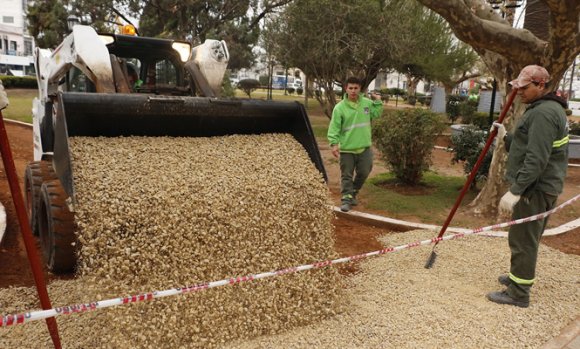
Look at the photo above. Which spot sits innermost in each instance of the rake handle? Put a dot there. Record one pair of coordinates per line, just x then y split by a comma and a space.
29, 243
477, 164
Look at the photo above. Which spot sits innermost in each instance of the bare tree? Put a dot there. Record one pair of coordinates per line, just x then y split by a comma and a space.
505, 50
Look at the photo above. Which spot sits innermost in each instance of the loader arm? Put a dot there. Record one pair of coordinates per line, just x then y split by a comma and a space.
83, 49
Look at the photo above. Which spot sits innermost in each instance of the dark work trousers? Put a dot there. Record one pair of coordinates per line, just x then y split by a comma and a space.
524, 240
358, 166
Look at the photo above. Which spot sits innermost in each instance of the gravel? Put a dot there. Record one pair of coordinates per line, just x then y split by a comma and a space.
396, 303
284, 220
155, 213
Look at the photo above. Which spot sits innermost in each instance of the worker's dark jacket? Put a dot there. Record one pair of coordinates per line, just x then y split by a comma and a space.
538, 149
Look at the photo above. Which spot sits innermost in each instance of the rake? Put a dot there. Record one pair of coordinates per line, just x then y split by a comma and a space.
433, 255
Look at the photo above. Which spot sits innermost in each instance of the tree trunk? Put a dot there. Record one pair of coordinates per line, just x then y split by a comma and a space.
411, 85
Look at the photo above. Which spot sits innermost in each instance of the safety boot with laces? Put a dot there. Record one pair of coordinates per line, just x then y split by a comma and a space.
502, 297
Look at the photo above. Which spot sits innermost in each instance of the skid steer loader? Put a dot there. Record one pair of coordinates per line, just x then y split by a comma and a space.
87, 88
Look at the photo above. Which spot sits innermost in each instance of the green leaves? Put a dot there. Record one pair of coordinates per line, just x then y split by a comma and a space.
405, 139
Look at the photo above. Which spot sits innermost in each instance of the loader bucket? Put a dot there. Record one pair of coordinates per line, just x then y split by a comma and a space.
114, 115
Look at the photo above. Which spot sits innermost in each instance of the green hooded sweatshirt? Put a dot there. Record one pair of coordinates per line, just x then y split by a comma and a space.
350, 126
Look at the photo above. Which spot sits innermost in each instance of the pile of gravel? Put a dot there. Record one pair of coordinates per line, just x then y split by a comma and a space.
155, 213
397, 303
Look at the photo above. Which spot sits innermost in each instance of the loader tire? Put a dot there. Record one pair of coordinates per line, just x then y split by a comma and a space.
36, 173
56, 226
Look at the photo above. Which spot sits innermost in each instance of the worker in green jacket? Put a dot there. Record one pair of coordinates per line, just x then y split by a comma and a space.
536, 168
349, 135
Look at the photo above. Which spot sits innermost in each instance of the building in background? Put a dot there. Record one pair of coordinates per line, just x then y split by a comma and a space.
16, 44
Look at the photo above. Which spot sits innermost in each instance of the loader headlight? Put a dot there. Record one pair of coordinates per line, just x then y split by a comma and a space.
183, 48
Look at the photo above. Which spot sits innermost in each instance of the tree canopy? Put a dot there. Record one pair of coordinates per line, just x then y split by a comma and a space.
236, 21
329, 40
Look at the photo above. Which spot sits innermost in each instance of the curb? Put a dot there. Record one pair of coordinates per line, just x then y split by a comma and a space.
400, 225
569, 337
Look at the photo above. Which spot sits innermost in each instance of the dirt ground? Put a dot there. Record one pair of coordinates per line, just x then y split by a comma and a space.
351, 237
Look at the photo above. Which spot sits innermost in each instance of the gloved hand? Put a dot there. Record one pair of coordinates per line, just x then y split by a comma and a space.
3, 97
501, 132
507, 202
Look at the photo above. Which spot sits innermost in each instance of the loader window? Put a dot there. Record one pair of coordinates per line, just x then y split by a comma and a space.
166, 73
77, 81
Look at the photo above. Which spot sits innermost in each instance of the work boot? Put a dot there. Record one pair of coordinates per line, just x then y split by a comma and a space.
346, 206
501, 297
353, 201
504, 280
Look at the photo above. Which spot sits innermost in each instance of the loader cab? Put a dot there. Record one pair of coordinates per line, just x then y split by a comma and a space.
158, 64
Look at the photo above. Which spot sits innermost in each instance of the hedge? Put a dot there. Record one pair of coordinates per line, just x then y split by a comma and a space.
18, 81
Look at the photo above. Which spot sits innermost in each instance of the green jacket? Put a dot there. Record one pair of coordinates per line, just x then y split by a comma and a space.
350, 126
538, 149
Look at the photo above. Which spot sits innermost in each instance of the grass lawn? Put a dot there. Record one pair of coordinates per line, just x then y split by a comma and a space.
20, 107
429, 201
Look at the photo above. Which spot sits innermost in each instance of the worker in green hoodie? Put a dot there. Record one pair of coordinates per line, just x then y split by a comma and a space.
535, 169
349, 135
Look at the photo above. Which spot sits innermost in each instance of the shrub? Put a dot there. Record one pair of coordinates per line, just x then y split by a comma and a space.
405, 139
18, 81
300, 90
290, 90
412, 100
467, 110
248, 86
227, 89
424, 100
452, 106
467, 147
394, 91
481, 120
574, 128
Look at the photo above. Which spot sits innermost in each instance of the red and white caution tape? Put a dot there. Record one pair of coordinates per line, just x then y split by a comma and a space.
9, 320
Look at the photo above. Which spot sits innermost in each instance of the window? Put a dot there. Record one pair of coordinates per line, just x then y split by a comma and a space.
13, 45
27, 47
8, 19
166, 74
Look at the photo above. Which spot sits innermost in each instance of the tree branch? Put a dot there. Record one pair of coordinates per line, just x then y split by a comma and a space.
469, 23
268, 9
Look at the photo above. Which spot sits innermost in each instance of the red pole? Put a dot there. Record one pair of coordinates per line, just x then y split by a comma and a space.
473, 172
26, 232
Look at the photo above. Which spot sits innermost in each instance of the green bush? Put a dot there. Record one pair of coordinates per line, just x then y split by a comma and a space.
248, 86
393, 91
452, 106
481, 120
290, 90
574, 128
412, 100
18, 81
467, 111
300, 90
405, 139
227, 89
467, 147
424, 100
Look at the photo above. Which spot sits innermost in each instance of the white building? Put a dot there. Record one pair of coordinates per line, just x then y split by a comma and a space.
16, 45
394, 80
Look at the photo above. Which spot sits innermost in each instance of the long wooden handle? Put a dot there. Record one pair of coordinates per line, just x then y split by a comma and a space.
478, 163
